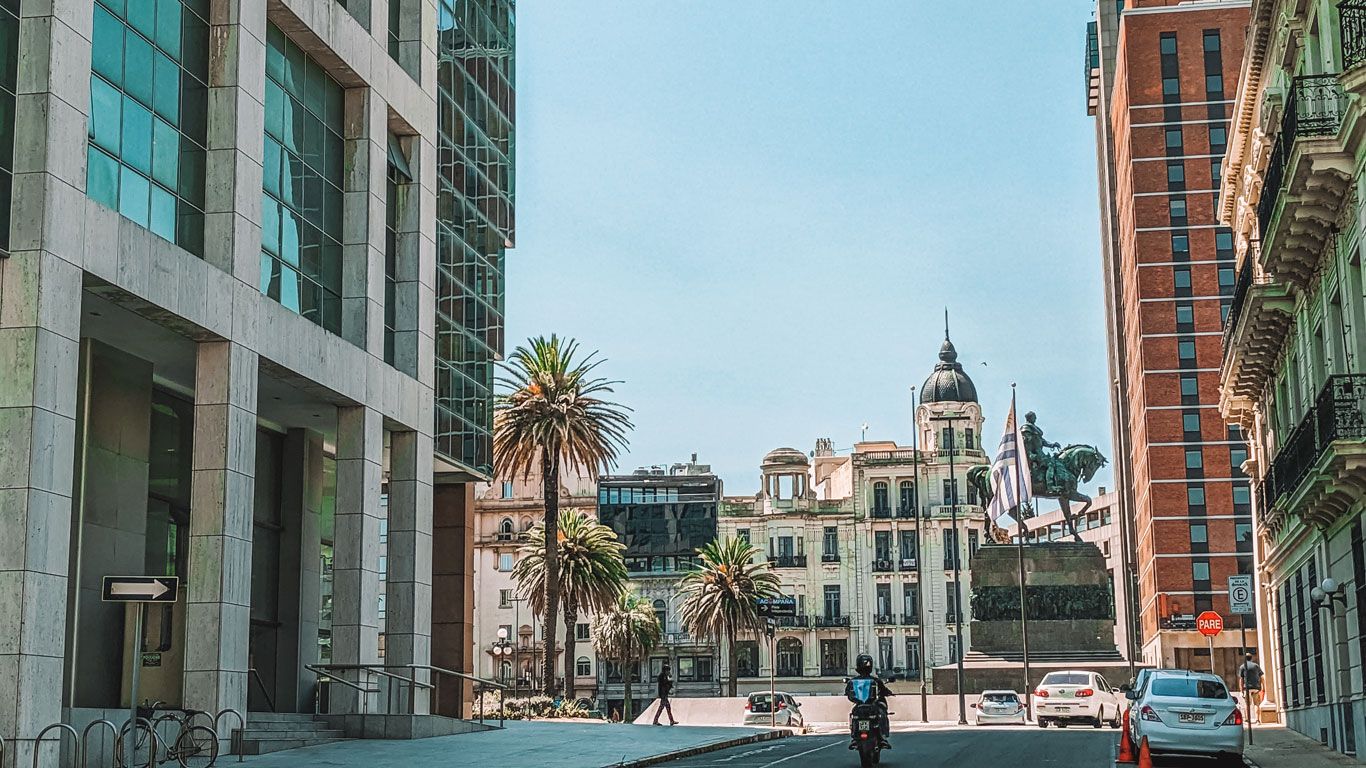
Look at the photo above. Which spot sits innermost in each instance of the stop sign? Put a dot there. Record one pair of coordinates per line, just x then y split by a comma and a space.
1209, 623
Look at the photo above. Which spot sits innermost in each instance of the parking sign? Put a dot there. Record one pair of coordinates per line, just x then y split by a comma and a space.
1240, 594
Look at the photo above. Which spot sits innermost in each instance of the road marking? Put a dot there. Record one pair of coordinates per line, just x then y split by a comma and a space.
801, 754
751, 752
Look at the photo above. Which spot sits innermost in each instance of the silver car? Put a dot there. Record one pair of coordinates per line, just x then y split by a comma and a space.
1187, 713
999, 707
759, 710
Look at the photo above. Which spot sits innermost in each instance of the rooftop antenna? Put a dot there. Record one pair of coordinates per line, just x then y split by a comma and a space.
946, 322
863, 437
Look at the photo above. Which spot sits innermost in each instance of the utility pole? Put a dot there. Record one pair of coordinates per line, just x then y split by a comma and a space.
957, 605
1019, 548
919, 552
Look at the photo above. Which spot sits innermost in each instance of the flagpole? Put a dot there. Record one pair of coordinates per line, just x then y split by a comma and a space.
1019, 549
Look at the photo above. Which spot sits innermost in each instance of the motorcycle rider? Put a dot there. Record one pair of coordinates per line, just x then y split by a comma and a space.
864, 687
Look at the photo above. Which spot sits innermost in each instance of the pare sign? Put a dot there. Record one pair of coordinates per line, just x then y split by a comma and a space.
1209, 623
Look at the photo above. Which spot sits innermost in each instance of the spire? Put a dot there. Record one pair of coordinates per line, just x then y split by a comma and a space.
946, 323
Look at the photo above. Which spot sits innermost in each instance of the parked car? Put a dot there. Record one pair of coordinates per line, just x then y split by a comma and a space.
999, 707
1187, 713
1076, 697
759, 706
1140, 680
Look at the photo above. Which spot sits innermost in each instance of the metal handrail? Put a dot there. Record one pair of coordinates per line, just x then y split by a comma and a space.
240, 740
270, 702
85, 741
75, 737
502, 689
381, 669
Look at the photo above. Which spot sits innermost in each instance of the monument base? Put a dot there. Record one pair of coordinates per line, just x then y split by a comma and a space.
987, 673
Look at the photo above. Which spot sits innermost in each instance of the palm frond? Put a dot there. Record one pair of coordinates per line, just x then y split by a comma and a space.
628, 630
718, 597
592, 573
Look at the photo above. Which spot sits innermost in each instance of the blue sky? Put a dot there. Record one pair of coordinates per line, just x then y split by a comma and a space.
757, 210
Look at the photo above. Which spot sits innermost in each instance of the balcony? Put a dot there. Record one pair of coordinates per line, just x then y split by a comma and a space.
906, 512
1306, 180
910, 620
830, 557
946, 510
961, 454
1258, 320
828, 622
906, 564
883, 566
788, 561
881, 513
1321, 466
802, 622
1352, 23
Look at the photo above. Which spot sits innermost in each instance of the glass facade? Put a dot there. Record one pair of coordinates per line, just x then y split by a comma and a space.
301, 203
9, 70
475, 151
148, 114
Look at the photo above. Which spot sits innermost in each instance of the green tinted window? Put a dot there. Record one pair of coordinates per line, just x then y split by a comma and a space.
301, 204
9, 65
147, 129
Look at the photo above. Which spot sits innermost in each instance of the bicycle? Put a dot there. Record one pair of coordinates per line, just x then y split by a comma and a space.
195, 746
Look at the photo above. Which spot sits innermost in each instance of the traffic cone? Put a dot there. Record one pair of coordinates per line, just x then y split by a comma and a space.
1126, 744
1145, 757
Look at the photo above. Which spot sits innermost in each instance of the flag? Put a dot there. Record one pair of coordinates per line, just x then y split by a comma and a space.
1010, 481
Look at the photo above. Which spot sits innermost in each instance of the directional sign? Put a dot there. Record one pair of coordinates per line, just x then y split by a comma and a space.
1240, 593
1209, 623
782, 605
141, 589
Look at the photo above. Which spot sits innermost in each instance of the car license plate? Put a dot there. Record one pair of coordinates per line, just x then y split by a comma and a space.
1190, 717
863, 725
1063, 709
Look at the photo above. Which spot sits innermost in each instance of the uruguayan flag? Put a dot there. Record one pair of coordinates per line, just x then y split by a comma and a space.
1010, 481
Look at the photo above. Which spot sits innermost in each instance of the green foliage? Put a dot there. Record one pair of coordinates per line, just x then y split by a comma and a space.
529, 707
1058, 602
592, 573
718, 596
628, 631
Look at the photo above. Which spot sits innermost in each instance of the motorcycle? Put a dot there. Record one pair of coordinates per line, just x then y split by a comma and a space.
868, 734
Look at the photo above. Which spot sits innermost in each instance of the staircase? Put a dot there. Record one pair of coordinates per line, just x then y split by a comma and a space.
273, 732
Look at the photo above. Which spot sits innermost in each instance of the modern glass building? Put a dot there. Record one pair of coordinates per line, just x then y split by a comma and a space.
475, 223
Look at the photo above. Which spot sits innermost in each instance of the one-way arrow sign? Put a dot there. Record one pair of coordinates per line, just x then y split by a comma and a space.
141, 589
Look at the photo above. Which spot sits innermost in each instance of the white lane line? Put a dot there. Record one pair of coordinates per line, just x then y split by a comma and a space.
802, 754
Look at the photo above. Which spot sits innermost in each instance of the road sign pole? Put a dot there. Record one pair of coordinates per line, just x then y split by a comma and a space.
130, 739
772, 678
1211, 652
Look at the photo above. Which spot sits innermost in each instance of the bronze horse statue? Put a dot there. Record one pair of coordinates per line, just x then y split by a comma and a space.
1072, 466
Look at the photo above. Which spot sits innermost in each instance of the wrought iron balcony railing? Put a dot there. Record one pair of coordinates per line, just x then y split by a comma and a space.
794, 621
1338, 413
906, 512
788, 561
907, 564
1240, 289
910, 620
881, 513
883, 566
1352, 24
832, 621
884, 618
1313, 107
830, 557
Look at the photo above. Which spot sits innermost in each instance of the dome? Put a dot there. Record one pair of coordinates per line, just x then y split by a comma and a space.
948, 383
785, 457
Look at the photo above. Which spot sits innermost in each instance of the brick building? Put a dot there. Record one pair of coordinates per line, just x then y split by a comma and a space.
1161, 77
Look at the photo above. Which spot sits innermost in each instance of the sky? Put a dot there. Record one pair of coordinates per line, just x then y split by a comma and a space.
758, 211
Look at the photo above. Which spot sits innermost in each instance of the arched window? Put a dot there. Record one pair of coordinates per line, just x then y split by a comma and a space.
661, 614
789, 657
907, 507
583, 667
880, 498
505, 527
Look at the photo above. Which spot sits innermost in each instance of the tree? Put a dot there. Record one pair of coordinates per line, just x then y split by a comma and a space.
719, 595
550, 413
592, 574
627, 633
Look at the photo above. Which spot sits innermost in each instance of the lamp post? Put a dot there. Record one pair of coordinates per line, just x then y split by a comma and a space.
957, 605
919, 551
502, 652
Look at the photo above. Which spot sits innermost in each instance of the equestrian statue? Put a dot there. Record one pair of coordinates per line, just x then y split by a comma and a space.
1055, 473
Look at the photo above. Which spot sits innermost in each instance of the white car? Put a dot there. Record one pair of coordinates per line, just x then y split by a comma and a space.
1076, 697
758, 708
999, 707
1187, 713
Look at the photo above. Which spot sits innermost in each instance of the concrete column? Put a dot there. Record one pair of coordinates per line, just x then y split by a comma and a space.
410, 281
453, 590
363, 223
300, 577
217, 618
408, 620
232, 199
40, 299
355, 576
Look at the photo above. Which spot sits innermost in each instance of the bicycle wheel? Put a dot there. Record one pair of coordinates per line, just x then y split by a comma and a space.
142, 748
196, 747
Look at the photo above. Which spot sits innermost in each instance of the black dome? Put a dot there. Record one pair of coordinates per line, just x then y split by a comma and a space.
948, 383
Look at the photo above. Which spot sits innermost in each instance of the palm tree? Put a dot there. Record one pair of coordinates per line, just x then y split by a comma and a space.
550, 413
719, 596
627, 633
592, 574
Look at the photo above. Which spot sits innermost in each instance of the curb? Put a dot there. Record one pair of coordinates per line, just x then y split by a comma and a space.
703, 749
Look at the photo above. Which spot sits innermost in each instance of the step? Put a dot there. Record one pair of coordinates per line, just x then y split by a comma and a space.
269, 717
265, 746
286, 725
311, 733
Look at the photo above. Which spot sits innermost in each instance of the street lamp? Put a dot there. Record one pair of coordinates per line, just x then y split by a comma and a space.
1326, 593
502, 652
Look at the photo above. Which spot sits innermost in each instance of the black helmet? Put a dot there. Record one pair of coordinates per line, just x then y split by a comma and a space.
863, 664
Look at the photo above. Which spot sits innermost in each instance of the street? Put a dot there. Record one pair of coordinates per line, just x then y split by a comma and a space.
947, 748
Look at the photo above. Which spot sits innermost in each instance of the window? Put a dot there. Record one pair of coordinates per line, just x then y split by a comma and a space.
583, 667
951, 491
1181, 243
880, 498
1216, 171
1190, 422
973, 541
1236, 456
882, 545
884, 599
1226, 277
504, 598
1218, 136
1214, 83
1189, 386
1194, 458
661, 614
1199, 533
9, 69
148, 116
301, 207
913, 658
505, 528
396, 181
742, 534
1242, 494
704, 668
834, 657
1171, 86
581, 631
1185, 314
1195, 496
951, 554
507, 490
908, 546
1177, 208
831, 542
884, 654
1181, 277
910, 603
953, 602
832, 601
946, 438
1176, 173
1173, 138
1242, 532
907, 489
687, 669
1224, 307
505, 562
953, 649
1185, 350
1200, 570
1223, 241
1168, 44
1211, 40
968, 437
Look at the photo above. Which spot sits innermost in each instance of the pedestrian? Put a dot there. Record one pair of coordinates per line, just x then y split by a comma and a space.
1250, 683
666, 685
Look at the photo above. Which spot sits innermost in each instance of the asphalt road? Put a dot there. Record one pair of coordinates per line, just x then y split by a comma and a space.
991, 747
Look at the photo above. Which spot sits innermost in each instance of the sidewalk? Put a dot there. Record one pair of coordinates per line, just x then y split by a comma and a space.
586, 744
1275, 746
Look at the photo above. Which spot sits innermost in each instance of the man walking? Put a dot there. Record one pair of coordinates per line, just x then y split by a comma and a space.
666, 686
1250, 683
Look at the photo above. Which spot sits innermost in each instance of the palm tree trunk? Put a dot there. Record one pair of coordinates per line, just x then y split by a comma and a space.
731, 661
550, 482
571, 619
627, 672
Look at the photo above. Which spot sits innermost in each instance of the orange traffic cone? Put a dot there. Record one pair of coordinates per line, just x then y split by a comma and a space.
1145, 757
1126, 744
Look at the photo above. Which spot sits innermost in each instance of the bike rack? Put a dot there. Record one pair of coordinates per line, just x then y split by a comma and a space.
75, 739
239, 741
152, 747
85, 739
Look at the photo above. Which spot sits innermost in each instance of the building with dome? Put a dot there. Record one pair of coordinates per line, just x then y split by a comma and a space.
865, 541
